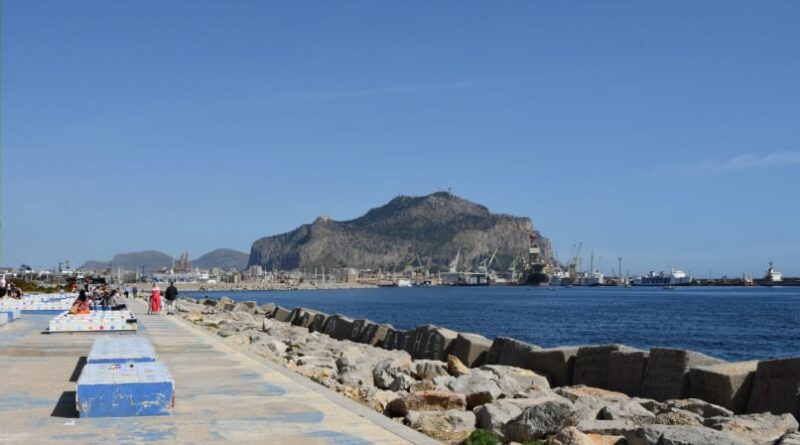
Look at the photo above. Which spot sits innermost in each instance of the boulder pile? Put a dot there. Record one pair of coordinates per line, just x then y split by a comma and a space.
451, 386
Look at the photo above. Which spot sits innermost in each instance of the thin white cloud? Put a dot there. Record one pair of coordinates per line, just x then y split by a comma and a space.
406, 89
736, 163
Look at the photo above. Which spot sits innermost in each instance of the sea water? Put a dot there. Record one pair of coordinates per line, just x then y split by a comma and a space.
734, 323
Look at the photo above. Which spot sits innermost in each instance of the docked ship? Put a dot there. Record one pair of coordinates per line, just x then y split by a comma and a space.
593, 278
773, 278
536, 270
672, 278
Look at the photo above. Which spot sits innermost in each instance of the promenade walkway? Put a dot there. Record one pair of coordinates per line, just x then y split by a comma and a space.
223, 394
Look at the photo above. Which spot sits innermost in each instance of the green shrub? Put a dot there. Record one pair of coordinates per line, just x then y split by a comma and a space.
483, 437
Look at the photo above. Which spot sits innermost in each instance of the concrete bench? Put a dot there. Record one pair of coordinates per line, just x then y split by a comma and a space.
10, 314
96, 321
121, 350
133, 389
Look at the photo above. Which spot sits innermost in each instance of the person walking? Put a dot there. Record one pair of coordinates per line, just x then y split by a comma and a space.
155, 300
135, 292
172, 296
127, 291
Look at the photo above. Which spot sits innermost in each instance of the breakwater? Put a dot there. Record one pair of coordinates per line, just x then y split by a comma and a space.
439, 380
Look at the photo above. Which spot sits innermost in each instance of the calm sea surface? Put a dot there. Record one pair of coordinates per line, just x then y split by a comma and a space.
731, 323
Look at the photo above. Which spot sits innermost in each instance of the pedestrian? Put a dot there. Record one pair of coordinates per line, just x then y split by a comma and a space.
172, 296
155, 300
127, 291
135, 292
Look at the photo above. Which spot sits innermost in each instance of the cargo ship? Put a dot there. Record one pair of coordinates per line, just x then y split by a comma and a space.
773, 278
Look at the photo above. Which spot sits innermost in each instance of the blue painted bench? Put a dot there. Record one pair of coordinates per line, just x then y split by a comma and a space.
125, 390
10, 314
119, 349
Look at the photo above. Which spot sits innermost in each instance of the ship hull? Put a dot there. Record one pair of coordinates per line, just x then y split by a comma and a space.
537, 279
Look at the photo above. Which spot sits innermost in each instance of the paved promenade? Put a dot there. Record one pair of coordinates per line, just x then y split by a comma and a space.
222, 394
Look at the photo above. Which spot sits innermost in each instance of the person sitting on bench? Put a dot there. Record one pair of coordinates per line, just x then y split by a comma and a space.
81, 305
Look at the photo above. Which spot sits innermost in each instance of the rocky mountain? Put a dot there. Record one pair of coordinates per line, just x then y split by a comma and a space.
405, 232
153, 260
149, 259
222, 258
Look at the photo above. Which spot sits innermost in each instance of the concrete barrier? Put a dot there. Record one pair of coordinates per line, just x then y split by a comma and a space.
339, 327
114, 390
776, 387
395, 340
727, 385
592, 365
439, 344
281, 314
417, 340
358, 329
302, 316
627, 371
318, 322
557, 364
511, 352
375, 334
666, 374
471, 349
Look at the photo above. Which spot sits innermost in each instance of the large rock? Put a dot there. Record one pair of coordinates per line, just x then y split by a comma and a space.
428, 401
387, 370
542, 419
626, 411
592, 365
681, 435
339, 327
375, 334
699, 407
471, 349
590, 401
608, 427
513, 380
761, 429
428, 369
790, 439
447, 426
479, 387
494, 416
666, 375
726, 385
776, 387
628, 371
570, 436
557, 364
511, 352
455, 367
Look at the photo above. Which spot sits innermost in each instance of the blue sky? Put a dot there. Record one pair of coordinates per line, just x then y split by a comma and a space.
666, 133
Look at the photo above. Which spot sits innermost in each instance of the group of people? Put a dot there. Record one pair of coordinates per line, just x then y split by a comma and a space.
102, 295
171, 295
9, 289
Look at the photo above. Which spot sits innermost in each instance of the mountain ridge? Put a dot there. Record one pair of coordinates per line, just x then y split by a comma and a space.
407, 231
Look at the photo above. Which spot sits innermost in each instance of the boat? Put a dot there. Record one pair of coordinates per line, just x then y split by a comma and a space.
536, 271
663, 279
773, 278
403, 282
593, 278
